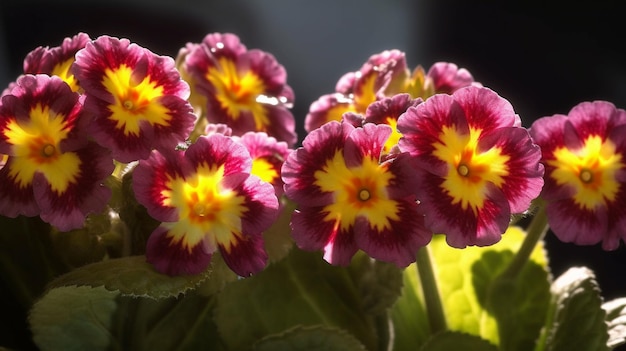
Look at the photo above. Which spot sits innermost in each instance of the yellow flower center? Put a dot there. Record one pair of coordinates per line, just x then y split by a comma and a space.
470, 170
205, 209
135, 102
238, 91
589, 170
358, 191
395, 135
263, 169
36, 149
62, 70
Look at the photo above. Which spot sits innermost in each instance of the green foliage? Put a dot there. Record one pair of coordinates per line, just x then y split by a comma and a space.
73, 318
476, 301
451, 340
310, 339
302, 290
131, 276
576, 319
616, 320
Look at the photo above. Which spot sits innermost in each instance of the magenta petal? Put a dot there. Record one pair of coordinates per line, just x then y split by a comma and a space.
585, 228
311, 232
150, 178
15, 200
246, 256
463, 227
173, 259
400, 243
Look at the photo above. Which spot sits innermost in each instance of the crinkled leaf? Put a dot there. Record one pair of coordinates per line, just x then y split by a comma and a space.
315, 338
576, 319
301, 289
616, 319
172, 324
131, 276
73, 318
451, 340
379, 283
477, 301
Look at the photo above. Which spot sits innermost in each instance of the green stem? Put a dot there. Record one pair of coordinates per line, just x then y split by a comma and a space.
432, 298
536, 231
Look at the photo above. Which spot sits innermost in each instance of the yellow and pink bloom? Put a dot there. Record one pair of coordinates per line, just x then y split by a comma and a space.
207, 200
136, 99
584, 153
384, 75
57, 60
347, 199
244, 89
52, 169
475, 163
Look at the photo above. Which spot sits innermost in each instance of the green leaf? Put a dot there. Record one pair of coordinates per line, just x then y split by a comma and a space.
451, 340
131, 276
473, 299
277, 238
379, 283
576, 319
316, 338
301, 289
410, 322
616, 319
73, 318
172, 324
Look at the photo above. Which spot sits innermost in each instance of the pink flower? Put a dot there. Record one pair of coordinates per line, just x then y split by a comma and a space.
384, 75
268, 156
347, 200
207, 200
585, 157
244, 89
136, 99
57, 60
475, 163
51, 170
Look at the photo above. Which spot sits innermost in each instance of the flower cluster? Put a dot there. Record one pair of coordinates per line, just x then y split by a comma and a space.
195, 161
87, 112
390, 157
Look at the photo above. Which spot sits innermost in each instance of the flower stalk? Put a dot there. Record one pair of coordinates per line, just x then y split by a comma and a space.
430, 290
537, 230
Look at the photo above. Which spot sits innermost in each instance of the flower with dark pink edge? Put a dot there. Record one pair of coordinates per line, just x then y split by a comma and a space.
136, 99
207, 200
385, 111
268, 156
51, 169
584, 153
384, 75
348, 200
244, 89
57, 60
475, 163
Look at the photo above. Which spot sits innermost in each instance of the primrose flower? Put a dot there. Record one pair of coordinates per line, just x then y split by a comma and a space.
244, 89
50, 168
584, 153
347, 200
384, 75
57, 60
385, 111
268, 156
476, 165
206, 200
136, 99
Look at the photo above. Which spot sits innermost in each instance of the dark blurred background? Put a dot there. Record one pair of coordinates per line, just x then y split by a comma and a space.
543, 58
